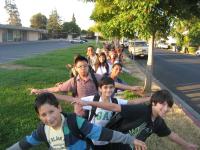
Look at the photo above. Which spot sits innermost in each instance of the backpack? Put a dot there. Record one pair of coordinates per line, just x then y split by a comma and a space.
71, 120
91, 71
93, 110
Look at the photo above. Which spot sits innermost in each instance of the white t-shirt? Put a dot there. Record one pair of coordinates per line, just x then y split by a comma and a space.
55, 138
101, 70
103, 116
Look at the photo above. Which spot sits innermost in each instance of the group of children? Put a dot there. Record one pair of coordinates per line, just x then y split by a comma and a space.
111, 123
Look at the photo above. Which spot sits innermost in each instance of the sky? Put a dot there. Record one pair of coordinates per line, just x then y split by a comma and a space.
65, 9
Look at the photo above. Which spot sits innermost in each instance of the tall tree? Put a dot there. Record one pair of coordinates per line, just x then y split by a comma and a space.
54, 24
71, 28
39, 21
12, 10
73, 18
147, 18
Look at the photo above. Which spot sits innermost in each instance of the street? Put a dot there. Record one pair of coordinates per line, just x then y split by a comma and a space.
180, 73
11, 52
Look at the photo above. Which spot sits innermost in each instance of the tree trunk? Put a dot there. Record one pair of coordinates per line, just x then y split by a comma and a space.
116, 42
149, 68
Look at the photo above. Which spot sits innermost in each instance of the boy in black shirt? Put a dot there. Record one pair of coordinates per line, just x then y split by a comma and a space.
142, 120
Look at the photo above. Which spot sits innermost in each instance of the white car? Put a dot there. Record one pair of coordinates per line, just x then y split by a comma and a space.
77, 41
198, 52
163, 45
138, 48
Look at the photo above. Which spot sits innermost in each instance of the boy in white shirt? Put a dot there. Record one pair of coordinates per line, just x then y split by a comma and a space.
101, 116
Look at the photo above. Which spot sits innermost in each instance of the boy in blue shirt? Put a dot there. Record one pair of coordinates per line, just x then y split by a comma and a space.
55, 130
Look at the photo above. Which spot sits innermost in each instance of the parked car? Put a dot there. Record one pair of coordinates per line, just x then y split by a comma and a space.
125, 43
138, 48
198, 52
163, 45
73, 41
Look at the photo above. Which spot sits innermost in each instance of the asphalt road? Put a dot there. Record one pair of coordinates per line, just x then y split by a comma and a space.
180, 73
11, 52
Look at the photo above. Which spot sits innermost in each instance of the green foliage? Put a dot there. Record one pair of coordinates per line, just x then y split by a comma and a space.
117, 18
71, 27
187, 32
39, 21
12, 10
192, 49
194, 33
16, 104
54, 24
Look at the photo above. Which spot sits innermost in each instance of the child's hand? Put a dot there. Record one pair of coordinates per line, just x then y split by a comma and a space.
190, 146
137, 88
139, 145
36, 91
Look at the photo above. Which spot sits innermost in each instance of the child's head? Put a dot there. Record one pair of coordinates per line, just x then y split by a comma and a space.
102, 58
106, 86
161, 101
90, 51
116, 69
48, 109
81, 65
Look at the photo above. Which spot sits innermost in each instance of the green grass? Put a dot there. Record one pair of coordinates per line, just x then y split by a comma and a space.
16, 104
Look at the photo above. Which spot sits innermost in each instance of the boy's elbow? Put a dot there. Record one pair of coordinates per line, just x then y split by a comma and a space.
117, 108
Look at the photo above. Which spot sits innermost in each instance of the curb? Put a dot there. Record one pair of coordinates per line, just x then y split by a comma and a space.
37, 41
188, 110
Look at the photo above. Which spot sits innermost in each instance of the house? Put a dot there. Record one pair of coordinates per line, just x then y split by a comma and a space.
10, 33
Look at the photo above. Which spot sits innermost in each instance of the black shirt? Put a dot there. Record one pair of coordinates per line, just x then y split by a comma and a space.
137, 121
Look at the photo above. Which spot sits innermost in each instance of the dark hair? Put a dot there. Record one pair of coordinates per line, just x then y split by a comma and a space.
91, 47
79, 58
45, 98
105, 80
162, 96
117, 64
105, 64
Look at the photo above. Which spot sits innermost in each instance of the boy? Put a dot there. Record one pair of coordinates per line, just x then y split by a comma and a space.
143, 120
100, 116
85, 84
55, 130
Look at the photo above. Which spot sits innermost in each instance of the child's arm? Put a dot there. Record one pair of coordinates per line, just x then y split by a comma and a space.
66, 98
106, 106
177, 139
99, 133
27, 142
40, 91
139, 100
127, 87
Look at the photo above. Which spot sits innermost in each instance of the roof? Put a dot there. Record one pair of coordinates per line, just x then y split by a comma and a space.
7, 26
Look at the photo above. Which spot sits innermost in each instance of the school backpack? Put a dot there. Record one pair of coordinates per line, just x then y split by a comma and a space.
73, 127
91, 71
93, 110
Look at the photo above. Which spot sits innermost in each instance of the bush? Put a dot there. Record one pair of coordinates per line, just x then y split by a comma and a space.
192, 49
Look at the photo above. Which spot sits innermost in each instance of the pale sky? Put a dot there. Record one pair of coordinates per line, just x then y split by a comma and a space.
65, 8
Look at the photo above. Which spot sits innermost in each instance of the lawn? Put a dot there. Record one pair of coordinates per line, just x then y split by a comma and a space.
16, 104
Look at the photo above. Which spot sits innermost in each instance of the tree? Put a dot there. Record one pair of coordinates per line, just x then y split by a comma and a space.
54, 24
12, 10
187, 32
147, 18
71, 27
73, 18
39, 21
